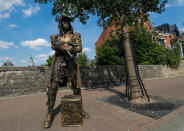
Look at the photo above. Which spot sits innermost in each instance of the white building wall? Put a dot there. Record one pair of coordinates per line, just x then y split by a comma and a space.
181, 50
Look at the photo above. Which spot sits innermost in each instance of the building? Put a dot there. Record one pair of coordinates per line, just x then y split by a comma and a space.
166, 34
107, 29
7, 64
105, 34
181, 39
31, 62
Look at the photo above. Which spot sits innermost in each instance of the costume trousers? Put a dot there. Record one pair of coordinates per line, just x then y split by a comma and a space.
52, 92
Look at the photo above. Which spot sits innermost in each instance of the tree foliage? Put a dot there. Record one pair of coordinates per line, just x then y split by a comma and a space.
128, 11
121, 12
182, 43
92, 63
148, 52
111, 52
49, 60
83, 59
146, 49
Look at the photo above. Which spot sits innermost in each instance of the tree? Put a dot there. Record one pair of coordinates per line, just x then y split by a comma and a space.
111, 52
123, 13
49, 60
109, 55
92, 63
146, 49
83, 59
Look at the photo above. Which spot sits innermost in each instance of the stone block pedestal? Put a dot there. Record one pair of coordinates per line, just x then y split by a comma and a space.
71, 111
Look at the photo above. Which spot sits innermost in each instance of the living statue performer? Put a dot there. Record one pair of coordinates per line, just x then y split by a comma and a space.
65, 69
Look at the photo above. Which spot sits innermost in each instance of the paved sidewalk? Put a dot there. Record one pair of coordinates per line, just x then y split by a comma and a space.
176, 124
27, 113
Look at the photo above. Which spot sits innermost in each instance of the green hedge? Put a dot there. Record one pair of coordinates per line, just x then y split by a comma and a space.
110, 53
146, 49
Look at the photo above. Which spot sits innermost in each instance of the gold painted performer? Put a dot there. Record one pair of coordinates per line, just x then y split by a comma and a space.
65, 69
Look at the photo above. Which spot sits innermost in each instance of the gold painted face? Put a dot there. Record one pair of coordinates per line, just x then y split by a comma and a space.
65, 24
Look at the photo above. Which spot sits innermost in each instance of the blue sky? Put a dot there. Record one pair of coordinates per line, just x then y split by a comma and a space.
25, 29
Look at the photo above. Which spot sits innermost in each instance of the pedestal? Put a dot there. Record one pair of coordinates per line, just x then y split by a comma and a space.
71, 111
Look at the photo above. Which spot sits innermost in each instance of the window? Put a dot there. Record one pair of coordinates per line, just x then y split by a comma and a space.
169, 45
172, 47
161, 42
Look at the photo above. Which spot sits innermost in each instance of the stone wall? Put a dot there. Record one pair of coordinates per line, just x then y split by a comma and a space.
23, 80
102, 76
27, 80
151, 71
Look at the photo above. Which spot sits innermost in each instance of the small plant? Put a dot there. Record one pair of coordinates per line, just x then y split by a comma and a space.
49, 61
83, 59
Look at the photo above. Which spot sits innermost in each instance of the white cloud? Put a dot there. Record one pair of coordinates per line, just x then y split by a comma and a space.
51, 53
6, 6
13, 26
5, 45
180, 2
36, 44
175, 3
41, 58
9, 4
167, 5
86, 50
182, 30
6, 58
16, 47
4, 15
24, 61
31, 10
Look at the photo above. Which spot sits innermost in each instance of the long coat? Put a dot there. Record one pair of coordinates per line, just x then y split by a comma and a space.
65, 66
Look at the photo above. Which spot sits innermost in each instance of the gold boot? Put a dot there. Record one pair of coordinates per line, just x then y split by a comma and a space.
52, 91
85, 114
48, 121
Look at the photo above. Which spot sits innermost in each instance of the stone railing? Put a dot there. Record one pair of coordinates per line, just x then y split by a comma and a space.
27, 80
23, 80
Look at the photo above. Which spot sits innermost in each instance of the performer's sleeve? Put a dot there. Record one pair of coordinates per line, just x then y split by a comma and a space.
54, 42
78, 42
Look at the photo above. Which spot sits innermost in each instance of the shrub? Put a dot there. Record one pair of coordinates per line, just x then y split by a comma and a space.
49, 60
146, 50
110, 53
83, 59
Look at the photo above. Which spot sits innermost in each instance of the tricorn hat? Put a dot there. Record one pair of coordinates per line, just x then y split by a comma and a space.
64, 17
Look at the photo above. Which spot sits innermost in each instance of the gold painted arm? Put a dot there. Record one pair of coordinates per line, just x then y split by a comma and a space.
55, 45
78, 43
